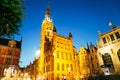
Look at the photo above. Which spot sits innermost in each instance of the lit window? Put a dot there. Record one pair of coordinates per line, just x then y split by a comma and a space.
117, 35
104, 40
112, 37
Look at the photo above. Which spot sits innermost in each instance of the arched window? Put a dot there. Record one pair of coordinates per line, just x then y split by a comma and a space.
118, 53
108, 61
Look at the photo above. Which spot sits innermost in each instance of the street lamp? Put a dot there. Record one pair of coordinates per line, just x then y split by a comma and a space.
69, 72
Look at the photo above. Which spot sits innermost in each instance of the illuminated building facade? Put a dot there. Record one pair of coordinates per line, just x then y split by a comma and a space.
84, 68
93, 60
109, 49
88, 62
9, 54
31, 70
57, 53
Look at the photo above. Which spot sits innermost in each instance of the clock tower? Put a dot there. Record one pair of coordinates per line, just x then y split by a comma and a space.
46, 39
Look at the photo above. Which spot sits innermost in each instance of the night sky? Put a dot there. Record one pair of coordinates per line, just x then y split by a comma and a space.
83, 18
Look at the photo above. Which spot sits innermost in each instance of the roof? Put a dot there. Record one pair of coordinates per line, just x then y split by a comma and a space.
6, 41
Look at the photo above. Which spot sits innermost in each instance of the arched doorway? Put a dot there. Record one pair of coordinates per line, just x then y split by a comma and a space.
118, 53
108, 62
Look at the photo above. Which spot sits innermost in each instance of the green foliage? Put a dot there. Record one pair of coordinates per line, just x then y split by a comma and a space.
10, 17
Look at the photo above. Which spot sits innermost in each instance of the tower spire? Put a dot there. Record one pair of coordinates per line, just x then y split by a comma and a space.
47, 13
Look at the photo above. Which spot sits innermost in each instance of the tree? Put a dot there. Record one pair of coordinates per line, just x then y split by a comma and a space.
10, 17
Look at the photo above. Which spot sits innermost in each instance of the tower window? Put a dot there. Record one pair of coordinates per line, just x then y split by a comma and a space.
47, 68
117, 35
104, 40
47, 58
112, 37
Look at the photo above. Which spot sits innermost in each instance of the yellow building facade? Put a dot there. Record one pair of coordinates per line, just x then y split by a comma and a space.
57, 53
88, 63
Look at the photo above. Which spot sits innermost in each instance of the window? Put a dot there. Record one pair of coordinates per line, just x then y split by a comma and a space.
67, 66
62, 67
104, 40
112, 37
92, 50
91, 58
118, 53
95, 56
66, 56
10, 52
71, 66
47, 68
62, 55
57, 54
58, 66
47, 58
93, 66
117, 35
8, 61
87, 64
97, 65
70, 56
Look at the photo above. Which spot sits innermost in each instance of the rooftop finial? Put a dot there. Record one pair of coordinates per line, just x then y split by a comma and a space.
111, 24
48, 10
47, 13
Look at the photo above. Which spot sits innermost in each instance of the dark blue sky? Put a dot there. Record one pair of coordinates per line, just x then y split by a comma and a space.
83, 18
